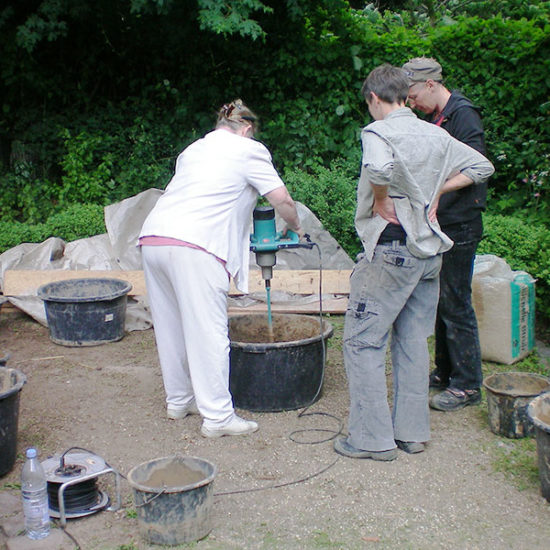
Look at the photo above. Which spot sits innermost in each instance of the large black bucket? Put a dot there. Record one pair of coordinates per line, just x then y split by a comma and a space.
279, 375
85, 312
11, 382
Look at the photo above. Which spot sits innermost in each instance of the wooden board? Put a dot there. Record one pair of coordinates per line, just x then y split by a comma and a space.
335, 281
26, 282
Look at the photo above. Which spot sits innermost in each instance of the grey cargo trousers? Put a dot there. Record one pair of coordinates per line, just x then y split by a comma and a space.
395, 293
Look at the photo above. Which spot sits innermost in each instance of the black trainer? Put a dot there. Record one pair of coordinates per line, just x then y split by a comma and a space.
453, 399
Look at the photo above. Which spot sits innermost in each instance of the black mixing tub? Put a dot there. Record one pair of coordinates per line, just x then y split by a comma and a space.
279, 375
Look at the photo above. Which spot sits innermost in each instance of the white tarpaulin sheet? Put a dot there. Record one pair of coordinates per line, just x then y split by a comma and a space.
117, 250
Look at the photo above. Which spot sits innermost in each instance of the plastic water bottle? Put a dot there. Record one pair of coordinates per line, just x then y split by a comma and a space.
35, 498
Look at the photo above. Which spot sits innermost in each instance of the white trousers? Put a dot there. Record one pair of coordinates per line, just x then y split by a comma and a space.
187, 290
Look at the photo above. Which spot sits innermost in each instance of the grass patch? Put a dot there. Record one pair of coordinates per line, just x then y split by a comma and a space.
335, 342
11, 486
515, 458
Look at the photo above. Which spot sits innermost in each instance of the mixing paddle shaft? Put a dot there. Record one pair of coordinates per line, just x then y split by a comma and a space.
269, 317
265, 242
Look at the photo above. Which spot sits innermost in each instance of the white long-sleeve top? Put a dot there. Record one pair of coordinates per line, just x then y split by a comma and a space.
210, 199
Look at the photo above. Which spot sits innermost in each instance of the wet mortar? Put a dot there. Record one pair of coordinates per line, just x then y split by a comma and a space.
174, 474
254, 329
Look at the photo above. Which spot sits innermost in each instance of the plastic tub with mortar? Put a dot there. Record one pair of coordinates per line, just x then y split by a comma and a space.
173, 498
538, 412
11, 383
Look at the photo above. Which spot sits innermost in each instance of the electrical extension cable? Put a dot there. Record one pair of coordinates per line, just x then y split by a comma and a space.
303, 413
77, 498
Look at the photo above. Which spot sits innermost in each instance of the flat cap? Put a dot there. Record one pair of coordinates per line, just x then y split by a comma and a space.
421, 69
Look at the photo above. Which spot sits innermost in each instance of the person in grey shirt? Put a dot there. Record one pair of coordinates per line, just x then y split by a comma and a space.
407, 165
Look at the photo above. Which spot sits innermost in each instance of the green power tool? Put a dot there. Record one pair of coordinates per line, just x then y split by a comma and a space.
266, 240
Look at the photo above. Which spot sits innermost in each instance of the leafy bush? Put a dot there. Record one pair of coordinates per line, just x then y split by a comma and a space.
330, 193
77, 222
119, 131
526, 247
493, 61
15, 233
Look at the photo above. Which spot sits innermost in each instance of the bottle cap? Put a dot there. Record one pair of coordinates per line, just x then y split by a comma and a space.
31, 453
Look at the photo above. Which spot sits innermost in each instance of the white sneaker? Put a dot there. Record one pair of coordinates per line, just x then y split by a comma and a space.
237, 426
177, 413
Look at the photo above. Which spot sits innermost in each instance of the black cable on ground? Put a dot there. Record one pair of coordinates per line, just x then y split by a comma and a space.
303, 412
334, 433
73, 539
278, 485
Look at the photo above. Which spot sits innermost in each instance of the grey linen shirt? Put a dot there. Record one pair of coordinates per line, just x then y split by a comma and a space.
414, 159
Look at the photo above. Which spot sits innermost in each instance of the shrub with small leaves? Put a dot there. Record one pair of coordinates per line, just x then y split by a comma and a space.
77, 222
330, 193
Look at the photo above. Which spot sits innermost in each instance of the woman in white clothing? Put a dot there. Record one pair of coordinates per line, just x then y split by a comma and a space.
195, 239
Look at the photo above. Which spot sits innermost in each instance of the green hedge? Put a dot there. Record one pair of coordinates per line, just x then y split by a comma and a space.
306, 89
78, 221
330, 193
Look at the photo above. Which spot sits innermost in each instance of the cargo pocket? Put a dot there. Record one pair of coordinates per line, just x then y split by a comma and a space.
399, 260
363, 325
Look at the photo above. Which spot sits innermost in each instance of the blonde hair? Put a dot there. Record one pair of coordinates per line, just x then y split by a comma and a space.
236, 114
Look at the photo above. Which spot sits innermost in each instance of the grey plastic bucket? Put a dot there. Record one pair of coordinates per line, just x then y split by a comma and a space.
173, 498
282, 375
538, 412
85, 312
508, 395
11, 382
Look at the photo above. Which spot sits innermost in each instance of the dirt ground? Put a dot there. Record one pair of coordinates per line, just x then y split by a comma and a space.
109, 399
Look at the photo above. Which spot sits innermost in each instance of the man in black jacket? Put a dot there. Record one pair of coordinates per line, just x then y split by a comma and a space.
457, 351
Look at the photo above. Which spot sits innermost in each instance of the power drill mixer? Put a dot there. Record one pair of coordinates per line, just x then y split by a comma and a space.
265, 242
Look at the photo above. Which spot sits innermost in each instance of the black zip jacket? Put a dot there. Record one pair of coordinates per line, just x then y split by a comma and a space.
461, 118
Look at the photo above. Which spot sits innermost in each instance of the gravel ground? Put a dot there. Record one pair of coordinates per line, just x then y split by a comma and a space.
109, 399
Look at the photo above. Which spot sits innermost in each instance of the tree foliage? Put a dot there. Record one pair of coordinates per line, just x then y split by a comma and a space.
98, 98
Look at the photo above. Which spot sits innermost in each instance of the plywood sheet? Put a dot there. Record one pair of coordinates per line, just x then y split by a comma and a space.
26, 282
335, 281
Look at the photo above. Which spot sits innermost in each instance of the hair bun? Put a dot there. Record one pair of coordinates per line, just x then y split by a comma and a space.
237, 113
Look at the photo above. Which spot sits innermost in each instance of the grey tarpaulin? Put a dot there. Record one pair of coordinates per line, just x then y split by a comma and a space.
117, 250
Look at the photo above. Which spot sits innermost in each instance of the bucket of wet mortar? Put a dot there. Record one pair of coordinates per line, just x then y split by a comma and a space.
508, 395
538, 412
173, 499
279, 375
85, 312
